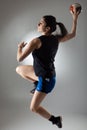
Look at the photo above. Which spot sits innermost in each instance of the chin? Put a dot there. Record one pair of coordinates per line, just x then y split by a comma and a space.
39, 30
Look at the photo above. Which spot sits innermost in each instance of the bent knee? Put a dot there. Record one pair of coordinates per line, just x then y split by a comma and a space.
18, 69
33, 109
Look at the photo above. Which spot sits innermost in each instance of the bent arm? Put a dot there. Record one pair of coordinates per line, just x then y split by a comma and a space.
72, 33
22, 54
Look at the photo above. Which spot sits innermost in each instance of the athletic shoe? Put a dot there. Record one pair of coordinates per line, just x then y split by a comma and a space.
35, 85
59, 122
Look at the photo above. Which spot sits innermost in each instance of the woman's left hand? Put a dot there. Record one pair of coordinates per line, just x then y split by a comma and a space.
22, 45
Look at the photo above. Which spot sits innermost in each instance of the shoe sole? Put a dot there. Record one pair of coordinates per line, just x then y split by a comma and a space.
60, 118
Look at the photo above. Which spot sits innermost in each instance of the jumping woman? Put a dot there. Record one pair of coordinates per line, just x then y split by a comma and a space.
42, 73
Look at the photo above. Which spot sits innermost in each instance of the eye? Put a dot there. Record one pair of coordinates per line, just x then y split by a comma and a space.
39, 23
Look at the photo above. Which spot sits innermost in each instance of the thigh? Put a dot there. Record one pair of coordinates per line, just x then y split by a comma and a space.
46, 85
27, 71
37, 99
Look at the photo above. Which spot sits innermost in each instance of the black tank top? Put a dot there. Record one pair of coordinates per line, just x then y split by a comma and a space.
44, 56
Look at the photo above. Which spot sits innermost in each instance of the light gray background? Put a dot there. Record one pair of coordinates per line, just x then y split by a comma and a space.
19, 18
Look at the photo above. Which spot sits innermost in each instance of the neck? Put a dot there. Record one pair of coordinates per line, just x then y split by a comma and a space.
46, 33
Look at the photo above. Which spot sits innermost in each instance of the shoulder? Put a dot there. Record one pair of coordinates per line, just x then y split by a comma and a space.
36, 42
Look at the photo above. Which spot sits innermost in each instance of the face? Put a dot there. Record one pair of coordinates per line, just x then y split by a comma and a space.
42, 26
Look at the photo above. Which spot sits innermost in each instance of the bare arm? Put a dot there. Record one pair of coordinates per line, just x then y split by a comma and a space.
72, 34
22, 54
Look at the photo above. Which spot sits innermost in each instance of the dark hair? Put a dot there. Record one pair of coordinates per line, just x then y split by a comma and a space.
51, 22
62, 29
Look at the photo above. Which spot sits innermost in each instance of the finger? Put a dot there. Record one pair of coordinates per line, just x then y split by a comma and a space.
78, 12
21, 44
24, 44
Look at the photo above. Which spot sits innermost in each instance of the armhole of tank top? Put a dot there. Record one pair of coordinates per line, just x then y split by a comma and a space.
40, 43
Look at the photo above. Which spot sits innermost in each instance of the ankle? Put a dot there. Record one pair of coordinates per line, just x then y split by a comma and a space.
52, 119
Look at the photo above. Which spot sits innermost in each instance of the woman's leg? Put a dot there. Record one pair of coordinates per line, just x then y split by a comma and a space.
35, 104
27, 72
35, 107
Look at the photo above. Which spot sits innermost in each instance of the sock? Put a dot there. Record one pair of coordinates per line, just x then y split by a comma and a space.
53, 119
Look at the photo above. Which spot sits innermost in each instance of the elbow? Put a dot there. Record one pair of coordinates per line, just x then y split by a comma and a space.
74, 35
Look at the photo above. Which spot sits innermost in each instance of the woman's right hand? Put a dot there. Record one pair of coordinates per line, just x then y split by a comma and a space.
75, 14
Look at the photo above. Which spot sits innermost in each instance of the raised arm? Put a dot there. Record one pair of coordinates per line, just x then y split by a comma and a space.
22, 54
72, 34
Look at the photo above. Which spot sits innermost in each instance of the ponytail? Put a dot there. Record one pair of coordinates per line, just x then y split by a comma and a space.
51, 22
62, 29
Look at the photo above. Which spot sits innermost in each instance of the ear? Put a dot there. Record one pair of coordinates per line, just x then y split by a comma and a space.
48, 28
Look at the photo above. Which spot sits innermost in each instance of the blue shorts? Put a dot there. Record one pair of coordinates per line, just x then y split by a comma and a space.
46, 85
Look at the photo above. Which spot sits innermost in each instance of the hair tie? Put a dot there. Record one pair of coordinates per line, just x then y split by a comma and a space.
57, 23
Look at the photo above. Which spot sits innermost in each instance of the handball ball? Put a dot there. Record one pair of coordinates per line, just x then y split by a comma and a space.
76, 6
